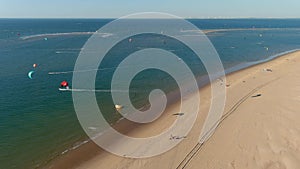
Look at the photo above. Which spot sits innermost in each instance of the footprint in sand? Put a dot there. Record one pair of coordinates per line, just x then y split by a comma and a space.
274, 165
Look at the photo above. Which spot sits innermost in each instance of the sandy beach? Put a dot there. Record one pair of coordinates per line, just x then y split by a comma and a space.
259, 127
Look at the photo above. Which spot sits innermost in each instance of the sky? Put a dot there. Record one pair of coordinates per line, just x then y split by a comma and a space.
119, 8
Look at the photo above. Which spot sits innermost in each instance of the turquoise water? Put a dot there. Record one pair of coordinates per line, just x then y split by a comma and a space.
38, 123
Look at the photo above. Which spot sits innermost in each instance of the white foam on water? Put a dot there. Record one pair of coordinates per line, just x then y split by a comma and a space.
91, 90
104, 35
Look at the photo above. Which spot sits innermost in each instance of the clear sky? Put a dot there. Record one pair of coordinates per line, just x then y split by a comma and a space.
118, 8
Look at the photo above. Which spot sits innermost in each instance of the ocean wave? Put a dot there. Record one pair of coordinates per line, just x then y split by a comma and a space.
75, 146
79, 144
47, 35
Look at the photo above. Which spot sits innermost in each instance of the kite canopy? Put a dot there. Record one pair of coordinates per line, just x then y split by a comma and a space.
118, 107
30, 74
64, 84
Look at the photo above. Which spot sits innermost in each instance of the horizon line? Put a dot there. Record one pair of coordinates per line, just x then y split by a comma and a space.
150, 18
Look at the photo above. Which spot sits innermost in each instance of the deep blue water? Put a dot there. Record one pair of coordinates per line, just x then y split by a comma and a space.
38, 123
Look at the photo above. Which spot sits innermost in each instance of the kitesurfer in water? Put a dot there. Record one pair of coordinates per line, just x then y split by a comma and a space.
64, 84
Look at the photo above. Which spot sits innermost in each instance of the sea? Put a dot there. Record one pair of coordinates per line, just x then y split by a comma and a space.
38, 122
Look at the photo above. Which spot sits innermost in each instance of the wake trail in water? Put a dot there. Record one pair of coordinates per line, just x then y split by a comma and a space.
92, 90
88, 70
79, 71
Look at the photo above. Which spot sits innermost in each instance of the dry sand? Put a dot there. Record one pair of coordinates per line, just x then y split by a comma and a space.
255, 132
